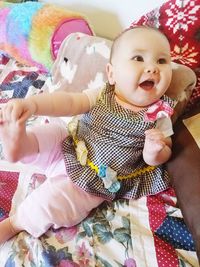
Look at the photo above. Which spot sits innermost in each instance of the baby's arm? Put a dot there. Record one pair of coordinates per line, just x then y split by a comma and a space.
61, 103
157, 147
56, 104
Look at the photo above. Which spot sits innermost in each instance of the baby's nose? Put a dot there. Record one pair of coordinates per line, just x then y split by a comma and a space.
152, 69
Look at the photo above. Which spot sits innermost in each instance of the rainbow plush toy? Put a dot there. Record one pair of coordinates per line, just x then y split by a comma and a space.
32, 32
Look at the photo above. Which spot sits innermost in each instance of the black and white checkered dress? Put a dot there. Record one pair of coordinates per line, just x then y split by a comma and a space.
114, 136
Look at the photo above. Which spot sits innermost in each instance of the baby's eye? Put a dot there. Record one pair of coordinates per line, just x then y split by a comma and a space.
162, 61
138, 58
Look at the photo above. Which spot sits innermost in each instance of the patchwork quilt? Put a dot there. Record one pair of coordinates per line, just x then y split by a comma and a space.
148, 232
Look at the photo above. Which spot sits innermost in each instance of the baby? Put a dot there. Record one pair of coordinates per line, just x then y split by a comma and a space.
115, 149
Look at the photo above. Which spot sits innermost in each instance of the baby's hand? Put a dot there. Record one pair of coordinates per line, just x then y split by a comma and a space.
17, 110
154, 140
157, 148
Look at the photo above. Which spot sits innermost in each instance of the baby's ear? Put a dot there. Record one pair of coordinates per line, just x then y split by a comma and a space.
110, 75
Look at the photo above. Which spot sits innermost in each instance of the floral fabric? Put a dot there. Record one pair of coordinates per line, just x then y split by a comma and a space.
120, 233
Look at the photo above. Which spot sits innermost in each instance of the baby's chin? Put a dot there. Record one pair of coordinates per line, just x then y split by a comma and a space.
135, 105
146, 104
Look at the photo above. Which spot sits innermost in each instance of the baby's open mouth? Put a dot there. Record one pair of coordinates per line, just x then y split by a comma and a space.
147, 85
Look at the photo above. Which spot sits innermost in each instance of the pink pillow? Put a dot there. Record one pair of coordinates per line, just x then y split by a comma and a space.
64, 29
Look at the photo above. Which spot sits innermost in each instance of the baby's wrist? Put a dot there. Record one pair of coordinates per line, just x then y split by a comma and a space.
32, 105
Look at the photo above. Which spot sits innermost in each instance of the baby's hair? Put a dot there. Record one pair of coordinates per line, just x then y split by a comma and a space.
117, 39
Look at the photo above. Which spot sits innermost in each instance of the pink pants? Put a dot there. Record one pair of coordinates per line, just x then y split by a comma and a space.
57, 202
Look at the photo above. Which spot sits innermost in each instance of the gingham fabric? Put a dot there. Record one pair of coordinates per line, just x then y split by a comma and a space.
114, 137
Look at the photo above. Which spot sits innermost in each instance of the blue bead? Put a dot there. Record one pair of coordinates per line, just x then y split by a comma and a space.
102, 171
114, 187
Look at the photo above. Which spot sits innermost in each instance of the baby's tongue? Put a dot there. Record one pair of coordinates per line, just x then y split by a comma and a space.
147, 85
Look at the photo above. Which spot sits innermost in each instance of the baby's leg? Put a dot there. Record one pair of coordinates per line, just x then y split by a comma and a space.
7, 231
37, 145
50, 158
17, 142
57, 203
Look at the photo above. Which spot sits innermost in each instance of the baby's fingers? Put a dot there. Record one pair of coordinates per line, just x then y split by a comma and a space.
154, 134
25, 115
15, 112
152, 131
11, 111
7, 112
158, 146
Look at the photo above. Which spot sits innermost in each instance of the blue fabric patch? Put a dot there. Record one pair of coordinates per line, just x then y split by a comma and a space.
3, 53
20, 88
174, 231
19, 20
2, 213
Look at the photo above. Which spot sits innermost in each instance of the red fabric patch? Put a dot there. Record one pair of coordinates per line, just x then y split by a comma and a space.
3, 100
8, 185
166, 254
4, 59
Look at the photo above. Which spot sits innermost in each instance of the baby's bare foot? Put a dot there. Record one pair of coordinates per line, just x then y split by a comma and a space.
12, 134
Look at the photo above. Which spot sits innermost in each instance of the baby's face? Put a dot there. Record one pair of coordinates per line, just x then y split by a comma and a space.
141, 67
